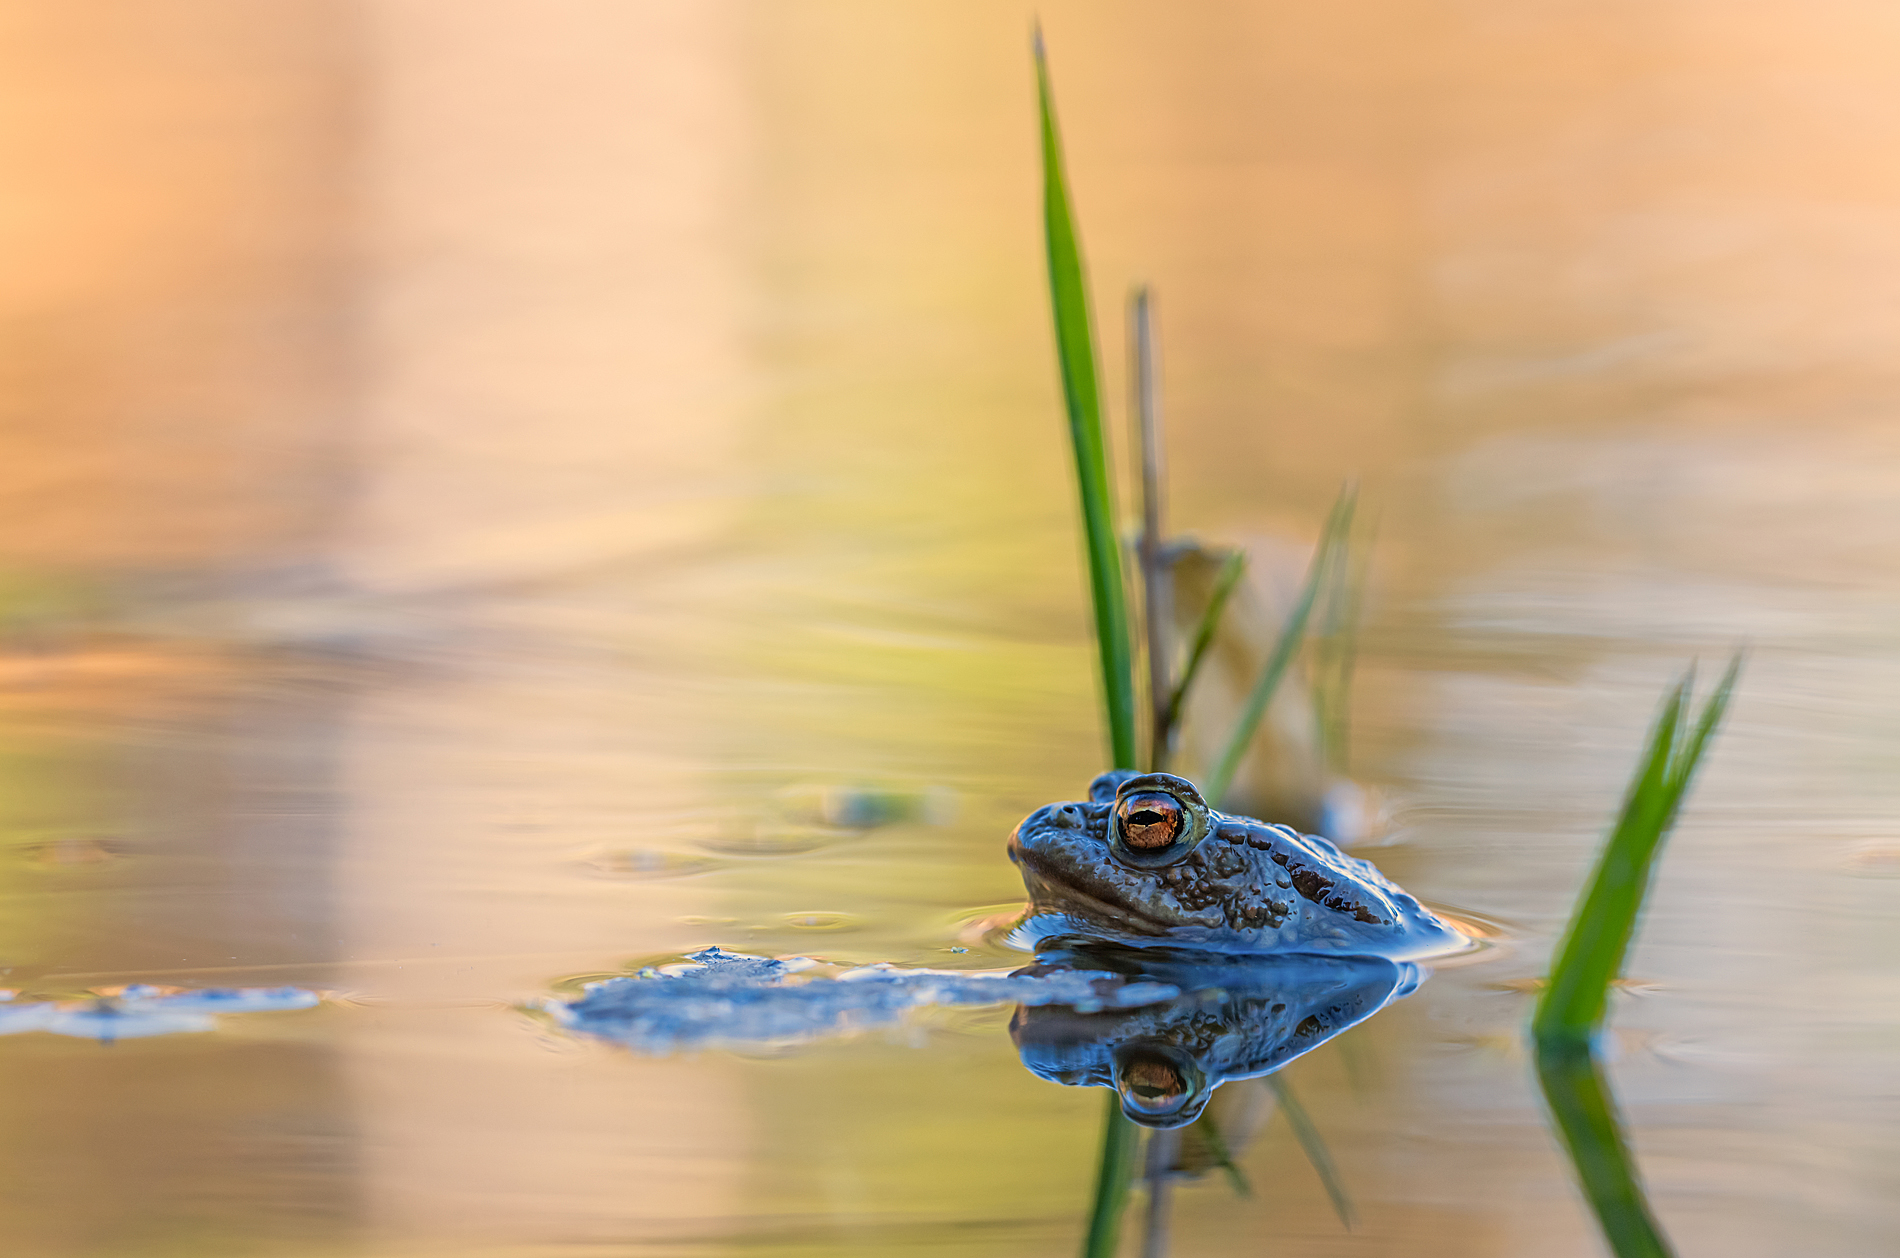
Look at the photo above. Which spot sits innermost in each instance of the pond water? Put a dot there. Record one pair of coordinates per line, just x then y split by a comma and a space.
492, 487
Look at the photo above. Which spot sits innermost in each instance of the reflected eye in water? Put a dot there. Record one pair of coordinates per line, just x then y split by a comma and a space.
1156, 1088
1153, 1087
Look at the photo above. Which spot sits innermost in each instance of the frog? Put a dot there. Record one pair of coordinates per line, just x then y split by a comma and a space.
1145, 860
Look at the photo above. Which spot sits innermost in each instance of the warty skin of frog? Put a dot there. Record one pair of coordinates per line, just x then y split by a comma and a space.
1145, 860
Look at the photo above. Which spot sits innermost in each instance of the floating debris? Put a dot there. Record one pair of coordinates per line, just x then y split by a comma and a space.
138, 1011
718, 998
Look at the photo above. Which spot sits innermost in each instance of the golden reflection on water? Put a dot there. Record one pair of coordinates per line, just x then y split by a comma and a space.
461, 455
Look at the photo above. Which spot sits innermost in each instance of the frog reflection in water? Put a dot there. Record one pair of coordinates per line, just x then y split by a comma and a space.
1236, 1017
1145, 860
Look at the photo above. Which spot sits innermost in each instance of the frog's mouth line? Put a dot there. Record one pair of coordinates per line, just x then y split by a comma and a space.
1073, 895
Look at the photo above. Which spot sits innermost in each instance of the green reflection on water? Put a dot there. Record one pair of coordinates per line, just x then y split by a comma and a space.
1585, 1116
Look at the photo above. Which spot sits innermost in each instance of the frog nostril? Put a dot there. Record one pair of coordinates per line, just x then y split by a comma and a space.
1069, 817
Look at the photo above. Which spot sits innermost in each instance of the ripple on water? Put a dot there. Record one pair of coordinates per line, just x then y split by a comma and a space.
646, 864
1010, 930
823, 920
1487, 939
991, 928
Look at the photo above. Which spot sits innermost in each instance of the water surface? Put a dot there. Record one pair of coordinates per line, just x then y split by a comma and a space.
477, 474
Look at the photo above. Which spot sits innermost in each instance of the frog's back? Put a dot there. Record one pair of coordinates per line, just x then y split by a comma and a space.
1332, 902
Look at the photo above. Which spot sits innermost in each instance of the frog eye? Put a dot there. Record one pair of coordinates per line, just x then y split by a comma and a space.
1159, 818
1158, 1085
1150, 821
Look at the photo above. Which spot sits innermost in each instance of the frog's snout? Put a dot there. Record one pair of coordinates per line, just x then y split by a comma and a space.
1042, 825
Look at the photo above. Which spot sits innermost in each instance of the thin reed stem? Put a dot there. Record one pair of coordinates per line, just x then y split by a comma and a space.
1158, 1170
1315, 1149
1154, 577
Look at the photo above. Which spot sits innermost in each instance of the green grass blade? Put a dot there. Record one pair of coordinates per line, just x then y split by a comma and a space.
1081, 393
1292, 633
1225, 581
1075, 351
1593, 948
1315, 1149
1572, 1009
1689, 756
1336, 644
1586, 1119
1573, 1004
1112, 1176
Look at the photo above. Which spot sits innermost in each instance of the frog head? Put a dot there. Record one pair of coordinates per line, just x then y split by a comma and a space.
1130, 857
